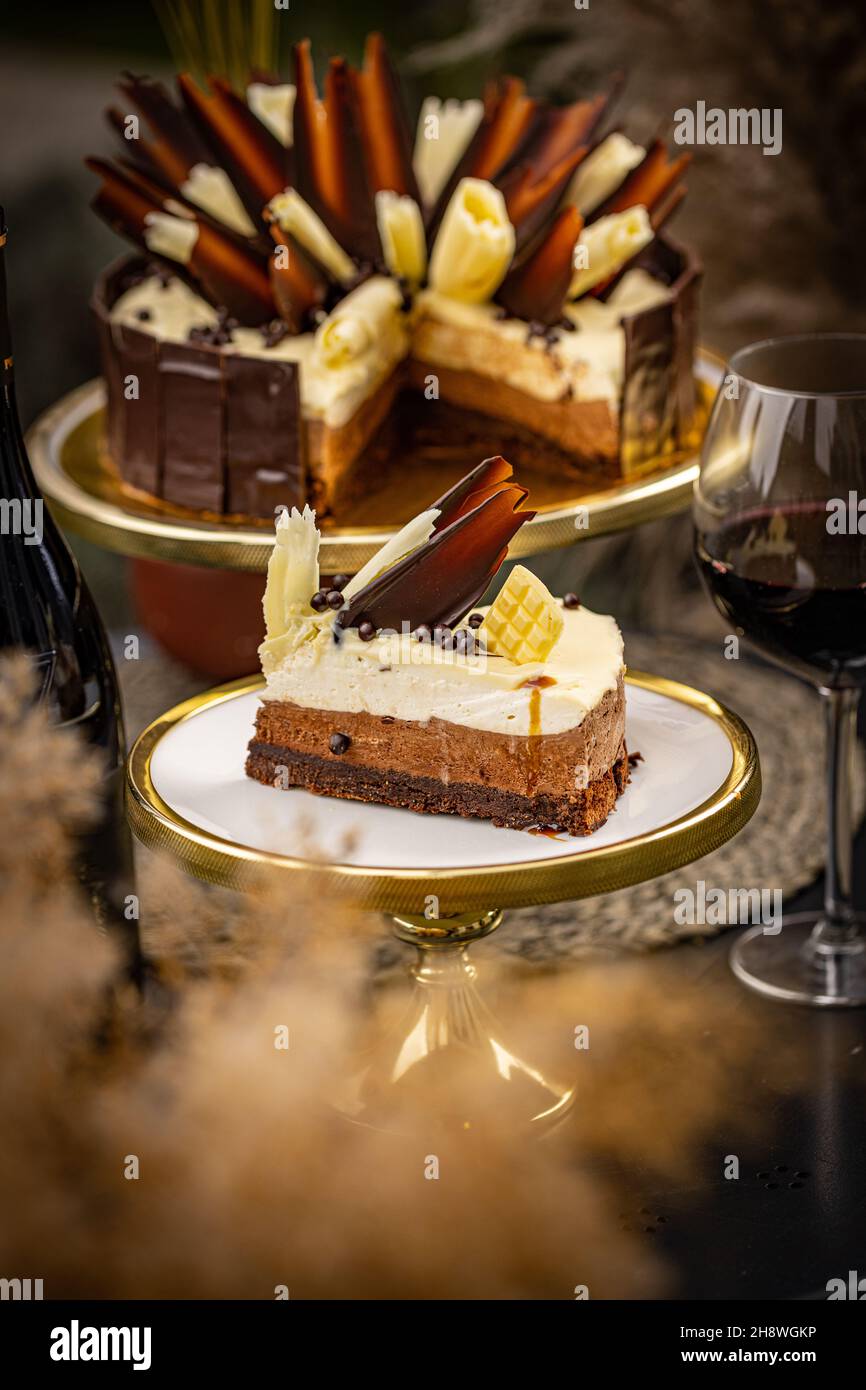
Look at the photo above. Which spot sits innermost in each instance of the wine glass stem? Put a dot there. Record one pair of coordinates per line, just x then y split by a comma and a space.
840, 719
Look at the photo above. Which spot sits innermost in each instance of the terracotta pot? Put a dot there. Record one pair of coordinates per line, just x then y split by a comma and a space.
209, 619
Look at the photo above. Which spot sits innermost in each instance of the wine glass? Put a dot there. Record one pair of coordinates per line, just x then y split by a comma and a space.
780, 540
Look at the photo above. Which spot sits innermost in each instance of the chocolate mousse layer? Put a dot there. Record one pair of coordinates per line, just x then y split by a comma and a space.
568, 781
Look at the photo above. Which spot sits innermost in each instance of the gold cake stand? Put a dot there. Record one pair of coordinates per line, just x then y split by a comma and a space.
447, 1030
87, 497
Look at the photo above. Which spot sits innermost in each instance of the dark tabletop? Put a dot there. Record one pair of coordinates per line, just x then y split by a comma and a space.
797, 1215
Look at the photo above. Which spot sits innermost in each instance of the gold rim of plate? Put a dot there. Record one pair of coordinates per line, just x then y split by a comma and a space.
62, 456
477, 887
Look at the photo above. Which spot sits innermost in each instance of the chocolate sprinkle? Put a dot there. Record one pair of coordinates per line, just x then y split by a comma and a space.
217, 334
339, 743
274, 332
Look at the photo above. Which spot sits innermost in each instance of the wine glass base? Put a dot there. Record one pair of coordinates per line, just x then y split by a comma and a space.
787, 966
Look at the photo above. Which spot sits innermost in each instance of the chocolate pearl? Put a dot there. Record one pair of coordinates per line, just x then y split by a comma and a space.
475, 619
339, 581
339, 743
334, 598
366, 630
464, 641
570, 601
319, 601
423, 633
443, 636
144, 315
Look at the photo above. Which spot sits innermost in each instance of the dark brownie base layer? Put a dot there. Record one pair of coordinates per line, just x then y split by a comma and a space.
577, 813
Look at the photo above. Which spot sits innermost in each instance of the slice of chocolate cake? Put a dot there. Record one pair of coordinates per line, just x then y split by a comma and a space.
399, 690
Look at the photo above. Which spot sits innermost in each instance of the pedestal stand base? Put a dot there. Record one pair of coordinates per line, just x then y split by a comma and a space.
446, 1066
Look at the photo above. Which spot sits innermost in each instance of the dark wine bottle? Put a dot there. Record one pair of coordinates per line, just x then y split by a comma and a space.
47, 609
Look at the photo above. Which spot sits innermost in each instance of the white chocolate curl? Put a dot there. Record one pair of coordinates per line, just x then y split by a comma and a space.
174, 237
475, 244
401, 232
297, 217
211, 188
407, 540
444, 130
602, 172
604, 247
358, 321
293, 571
275, 106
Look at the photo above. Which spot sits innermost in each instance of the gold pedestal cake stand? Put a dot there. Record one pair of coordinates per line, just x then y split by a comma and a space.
88, 498
698, 785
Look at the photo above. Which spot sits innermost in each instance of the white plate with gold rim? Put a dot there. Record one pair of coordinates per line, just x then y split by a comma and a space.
697, 785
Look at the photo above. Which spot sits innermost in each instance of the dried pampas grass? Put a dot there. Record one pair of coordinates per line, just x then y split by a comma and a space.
183, 1151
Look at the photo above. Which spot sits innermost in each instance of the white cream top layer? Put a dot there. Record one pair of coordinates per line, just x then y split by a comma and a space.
587, 365
331, 390
407, 679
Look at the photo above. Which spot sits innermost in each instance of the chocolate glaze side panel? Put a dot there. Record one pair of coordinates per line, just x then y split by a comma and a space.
264, 439
193, 420
659, 399
208, 431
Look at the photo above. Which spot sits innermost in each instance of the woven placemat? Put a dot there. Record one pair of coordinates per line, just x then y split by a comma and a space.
782, 847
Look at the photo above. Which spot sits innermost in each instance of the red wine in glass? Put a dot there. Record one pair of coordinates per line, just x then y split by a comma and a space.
780, 541
797, 591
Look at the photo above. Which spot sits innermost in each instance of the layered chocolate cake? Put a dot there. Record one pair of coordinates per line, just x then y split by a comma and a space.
308, 274
396, 688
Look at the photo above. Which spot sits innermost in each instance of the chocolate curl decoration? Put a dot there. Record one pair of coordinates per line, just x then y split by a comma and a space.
253, 158
329, 158
531, 195
298, 284
224, 268
464, 496
508, 114
443, 579
538, 289
555, 132
176, 146
385, 135
650, 184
